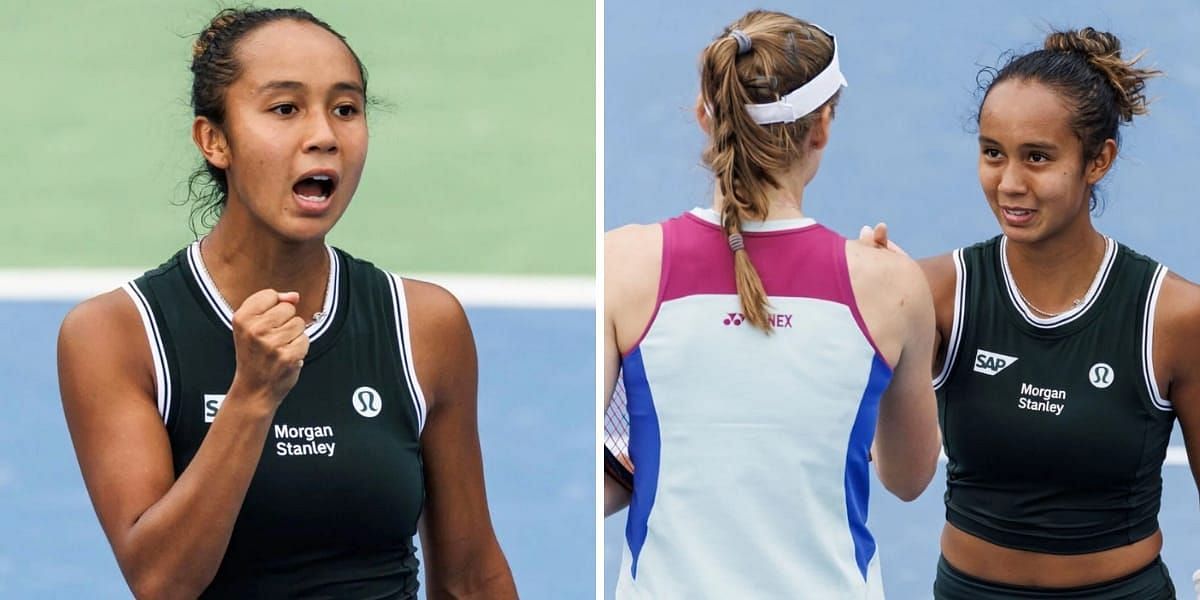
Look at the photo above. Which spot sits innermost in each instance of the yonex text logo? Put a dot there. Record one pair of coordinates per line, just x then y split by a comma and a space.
990, 363
777, 321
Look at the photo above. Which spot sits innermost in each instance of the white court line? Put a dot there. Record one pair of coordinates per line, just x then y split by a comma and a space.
504, 291
1176, 457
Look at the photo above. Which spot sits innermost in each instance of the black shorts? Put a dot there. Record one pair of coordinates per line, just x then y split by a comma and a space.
1151, 582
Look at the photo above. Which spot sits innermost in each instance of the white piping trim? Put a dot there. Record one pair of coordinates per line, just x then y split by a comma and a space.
1160, 274
1093, 292
710, 216
400, 307
162, 373
329, 305
207, 286
960, 309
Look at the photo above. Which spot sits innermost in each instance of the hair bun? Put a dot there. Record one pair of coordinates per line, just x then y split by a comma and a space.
1086, 41
1103, 52
224, 19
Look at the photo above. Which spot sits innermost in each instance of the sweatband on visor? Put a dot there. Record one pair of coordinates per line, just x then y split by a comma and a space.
804, 99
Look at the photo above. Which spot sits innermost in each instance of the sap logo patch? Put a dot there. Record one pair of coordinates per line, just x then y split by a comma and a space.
990, 363
212, 403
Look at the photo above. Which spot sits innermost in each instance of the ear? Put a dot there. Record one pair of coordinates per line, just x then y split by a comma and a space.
702, 117
211, 142
818, 136
1099, 166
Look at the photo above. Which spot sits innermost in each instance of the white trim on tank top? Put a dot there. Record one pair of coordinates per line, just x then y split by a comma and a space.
709, 215
1089, 298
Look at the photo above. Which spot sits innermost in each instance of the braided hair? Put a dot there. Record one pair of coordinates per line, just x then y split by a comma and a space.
757, 59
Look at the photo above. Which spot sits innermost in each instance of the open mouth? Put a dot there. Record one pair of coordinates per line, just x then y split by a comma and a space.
315, 188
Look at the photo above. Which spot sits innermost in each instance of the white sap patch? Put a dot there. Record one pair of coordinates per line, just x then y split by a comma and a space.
991, 363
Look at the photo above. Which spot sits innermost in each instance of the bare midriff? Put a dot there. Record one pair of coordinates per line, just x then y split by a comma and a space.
998, 564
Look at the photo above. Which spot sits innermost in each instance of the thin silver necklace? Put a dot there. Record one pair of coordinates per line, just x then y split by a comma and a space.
1074, 303
1045, 313
317, 316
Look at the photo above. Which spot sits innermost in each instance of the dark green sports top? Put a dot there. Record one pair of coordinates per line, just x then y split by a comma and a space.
1054, 428
333, 505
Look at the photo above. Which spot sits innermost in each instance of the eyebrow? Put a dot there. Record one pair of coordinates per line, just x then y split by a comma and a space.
341, 86
1034, 145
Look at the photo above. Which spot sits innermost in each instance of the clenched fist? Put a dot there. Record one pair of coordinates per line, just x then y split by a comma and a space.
270, 345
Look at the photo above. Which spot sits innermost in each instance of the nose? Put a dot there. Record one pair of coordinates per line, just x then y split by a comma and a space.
1012, 183
321, 136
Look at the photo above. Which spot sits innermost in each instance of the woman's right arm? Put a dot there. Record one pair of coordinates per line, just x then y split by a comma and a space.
169, 535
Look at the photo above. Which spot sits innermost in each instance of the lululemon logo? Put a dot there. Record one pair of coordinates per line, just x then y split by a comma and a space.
367, 401
1101, 375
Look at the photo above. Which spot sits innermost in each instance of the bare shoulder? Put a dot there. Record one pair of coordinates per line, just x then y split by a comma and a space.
107, 323
102, 339
879, 270
632, 261
433, 307
940, 273
1178, 311
635, 243
443, 348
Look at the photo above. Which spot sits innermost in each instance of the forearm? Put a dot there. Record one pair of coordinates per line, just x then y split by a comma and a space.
174, 548
485, 576
905, 451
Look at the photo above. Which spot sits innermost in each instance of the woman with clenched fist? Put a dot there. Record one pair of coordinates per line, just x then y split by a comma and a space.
265, 416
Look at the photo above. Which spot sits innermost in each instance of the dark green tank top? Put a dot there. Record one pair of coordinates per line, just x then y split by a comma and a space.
1054, 428
333, 505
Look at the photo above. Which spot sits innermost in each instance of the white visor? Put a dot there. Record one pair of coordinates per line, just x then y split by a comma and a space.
804, 99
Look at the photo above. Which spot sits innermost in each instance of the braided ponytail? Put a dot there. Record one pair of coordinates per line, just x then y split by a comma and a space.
759, 58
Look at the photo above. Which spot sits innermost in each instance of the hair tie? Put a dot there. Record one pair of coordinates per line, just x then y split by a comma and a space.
743, 40
735, 242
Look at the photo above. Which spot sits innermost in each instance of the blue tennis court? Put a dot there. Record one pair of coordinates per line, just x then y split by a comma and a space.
537, 373
903, 150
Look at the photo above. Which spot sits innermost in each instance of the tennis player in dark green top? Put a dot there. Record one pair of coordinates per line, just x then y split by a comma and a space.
264, 416
1063, 357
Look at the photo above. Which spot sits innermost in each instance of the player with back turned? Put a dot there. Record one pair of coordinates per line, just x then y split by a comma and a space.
293, 446
763, 355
